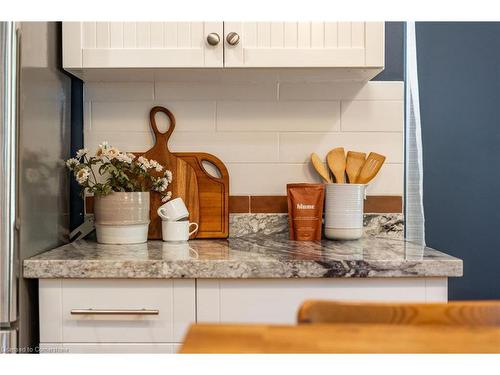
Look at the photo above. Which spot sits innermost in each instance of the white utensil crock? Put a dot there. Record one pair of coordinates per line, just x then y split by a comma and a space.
344, 205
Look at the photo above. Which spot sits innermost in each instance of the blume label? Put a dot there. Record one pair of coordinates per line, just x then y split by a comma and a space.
301, 206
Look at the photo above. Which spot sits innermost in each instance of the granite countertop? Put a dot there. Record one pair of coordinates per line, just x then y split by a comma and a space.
252, 256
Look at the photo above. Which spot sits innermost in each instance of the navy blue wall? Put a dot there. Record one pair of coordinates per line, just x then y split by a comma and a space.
75, 197
459, 77
394, 53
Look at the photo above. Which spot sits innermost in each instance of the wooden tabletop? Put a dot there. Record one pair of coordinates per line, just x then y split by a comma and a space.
340, 338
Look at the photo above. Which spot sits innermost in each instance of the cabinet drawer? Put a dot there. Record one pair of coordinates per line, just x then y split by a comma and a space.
101, 311
241, 300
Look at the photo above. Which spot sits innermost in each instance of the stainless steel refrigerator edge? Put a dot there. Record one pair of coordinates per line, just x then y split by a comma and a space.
34, 186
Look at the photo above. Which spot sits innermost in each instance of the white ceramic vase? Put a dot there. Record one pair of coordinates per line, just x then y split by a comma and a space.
122, 218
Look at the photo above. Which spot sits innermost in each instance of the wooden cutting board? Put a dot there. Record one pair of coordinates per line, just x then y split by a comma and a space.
213, 194
184, 184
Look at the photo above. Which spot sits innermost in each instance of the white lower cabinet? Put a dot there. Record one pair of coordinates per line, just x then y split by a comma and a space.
152, 316
277, 300
111, 315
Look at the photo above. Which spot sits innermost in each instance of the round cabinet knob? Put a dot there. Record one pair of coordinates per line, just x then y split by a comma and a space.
213, 39
232, 38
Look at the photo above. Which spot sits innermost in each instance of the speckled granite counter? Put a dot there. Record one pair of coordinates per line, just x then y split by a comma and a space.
252, 256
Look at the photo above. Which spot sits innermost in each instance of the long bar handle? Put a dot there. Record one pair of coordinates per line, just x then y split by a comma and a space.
115, 312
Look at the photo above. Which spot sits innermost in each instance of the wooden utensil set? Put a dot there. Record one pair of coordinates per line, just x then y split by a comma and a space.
359, 168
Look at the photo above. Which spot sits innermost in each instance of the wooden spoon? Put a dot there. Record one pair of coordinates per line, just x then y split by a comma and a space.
354, 163
336, 162
371, 167
320, 167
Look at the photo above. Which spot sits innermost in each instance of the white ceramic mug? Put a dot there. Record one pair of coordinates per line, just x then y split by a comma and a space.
177, 231
173, 210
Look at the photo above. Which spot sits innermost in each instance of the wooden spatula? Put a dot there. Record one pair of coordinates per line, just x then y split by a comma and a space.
371, 167
320, 167
336, 163
354, 163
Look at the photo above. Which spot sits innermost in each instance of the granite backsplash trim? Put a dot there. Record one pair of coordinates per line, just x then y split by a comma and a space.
380, 225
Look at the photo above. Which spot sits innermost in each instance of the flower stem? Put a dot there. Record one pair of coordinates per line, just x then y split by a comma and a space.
93, 174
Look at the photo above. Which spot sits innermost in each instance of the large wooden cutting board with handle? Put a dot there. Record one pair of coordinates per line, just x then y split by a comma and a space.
213, 192
184, 184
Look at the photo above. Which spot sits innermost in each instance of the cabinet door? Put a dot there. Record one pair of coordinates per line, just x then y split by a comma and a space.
141, 45
277, 301
305, 44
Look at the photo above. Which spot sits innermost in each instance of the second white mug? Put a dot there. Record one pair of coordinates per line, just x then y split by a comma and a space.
173, 210
177, 231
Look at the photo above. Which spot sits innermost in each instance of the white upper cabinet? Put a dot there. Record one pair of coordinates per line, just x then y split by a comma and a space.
304, 44
93, 46
141, 45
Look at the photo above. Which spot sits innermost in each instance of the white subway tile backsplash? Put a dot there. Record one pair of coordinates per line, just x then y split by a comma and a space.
87, 116
229, 147
278, 116
297, 147
119, 91
267, 178
271, 178
264, 140
389, 181
371, 115
134, 116
216, 91
341, 91
216, 76
124, 141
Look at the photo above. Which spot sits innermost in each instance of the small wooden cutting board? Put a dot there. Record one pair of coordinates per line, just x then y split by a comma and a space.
213, 194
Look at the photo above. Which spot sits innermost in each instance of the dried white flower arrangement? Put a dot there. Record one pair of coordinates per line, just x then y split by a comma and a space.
122, 172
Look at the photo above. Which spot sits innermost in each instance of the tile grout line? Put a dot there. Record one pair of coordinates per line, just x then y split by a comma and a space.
340, 116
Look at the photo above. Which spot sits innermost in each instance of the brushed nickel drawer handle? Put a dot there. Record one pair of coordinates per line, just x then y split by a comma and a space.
114, 312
